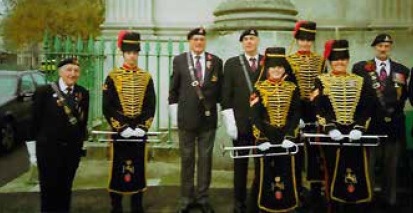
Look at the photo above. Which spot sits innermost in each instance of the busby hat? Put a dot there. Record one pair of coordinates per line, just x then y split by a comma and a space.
275, 56
336, 50
382, 38
71, 60
248, 32
196, 31
129, 41
305, 30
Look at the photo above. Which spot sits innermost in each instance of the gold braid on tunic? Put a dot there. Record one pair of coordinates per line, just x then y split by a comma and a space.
131, 88
306, 68
276, 98
344, 94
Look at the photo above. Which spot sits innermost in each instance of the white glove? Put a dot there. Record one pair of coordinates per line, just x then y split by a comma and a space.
173, 114
138, 132
335, 134
127, 133
31, 149
264, 146
229, 122
301, 125
287, 144
355, 135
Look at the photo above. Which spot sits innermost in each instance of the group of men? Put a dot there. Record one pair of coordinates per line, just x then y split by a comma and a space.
266, 100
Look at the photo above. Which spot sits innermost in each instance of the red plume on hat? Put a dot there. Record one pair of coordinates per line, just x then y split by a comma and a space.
121, 34
297, 27
328, 48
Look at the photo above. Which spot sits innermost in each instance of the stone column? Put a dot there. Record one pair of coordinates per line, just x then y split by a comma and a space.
261, 14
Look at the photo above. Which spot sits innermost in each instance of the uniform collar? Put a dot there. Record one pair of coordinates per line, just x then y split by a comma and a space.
130, 68
336, 73
304, 52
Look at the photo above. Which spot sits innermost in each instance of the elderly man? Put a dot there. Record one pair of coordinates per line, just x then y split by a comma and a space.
60, 111
194, 93
388, 81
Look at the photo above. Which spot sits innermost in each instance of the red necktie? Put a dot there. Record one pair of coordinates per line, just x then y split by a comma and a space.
253, 64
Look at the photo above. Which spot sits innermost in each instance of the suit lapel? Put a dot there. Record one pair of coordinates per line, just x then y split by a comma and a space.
209, 67
247, 63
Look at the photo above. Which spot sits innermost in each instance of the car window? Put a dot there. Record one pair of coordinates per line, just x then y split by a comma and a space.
27, 84
8, 85
39, 79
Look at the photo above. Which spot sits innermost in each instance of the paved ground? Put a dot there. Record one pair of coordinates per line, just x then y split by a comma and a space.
18, 195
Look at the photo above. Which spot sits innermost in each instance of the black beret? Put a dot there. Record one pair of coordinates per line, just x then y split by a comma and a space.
129, 41
251, 32
196, 31
66, 61
382, 38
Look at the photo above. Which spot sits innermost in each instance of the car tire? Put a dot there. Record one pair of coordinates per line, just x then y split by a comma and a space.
8, 137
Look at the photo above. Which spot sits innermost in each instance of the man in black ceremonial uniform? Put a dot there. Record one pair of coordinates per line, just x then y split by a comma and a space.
194, 92
60, 111
306, 67
129, 104
388, 81
240, 74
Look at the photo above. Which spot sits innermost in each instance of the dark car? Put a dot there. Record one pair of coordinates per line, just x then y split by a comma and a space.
16, 97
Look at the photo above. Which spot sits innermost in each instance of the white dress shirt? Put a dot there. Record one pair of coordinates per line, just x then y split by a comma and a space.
63, 87
379, 65
202, 61
248, 57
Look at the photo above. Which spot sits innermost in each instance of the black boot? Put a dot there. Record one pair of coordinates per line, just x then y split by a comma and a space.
136, 203
116, 201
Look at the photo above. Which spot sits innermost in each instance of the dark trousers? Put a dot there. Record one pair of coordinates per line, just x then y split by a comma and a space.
136, 202
348, 208
388, 153
57, 164
241, 171
253, 208
192, 143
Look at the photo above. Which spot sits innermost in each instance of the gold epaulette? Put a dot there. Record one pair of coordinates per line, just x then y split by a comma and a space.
131, 88
344, 94
306, 68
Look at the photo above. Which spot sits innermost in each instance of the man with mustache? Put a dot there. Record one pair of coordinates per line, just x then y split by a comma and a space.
388, 80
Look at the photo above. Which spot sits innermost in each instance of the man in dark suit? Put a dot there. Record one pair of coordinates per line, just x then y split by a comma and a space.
61, 112
194, 93
239, 76
388, 80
